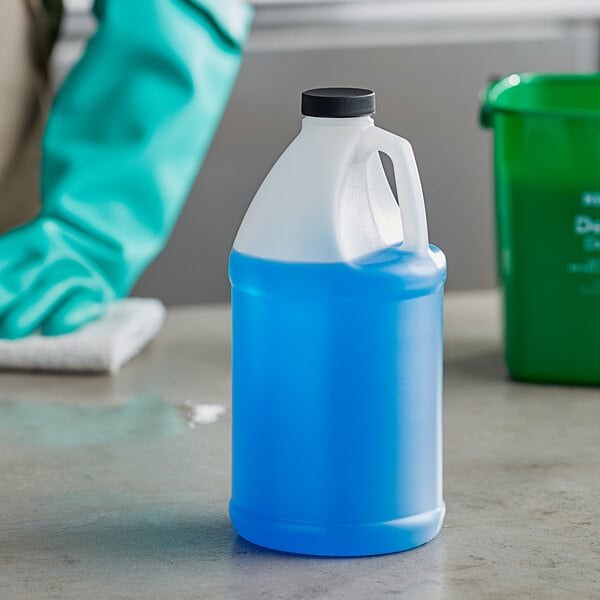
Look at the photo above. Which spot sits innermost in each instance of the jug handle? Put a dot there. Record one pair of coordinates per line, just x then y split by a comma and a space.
408, 184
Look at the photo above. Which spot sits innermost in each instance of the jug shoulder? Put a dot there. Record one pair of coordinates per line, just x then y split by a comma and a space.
314, 204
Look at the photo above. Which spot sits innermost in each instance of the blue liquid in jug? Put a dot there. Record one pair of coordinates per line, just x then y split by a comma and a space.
337, 413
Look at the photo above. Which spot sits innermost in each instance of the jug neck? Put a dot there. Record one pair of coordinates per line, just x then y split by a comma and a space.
360, 122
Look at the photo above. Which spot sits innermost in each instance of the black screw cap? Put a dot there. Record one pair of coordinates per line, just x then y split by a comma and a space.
338, 102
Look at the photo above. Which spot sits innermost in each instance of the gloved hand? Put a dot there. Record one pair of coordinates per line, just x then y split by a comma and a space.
124, 140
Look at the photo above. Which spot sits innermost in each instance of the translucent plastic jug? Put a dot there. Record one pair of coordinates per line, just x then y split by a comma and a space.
547, 163
337, 345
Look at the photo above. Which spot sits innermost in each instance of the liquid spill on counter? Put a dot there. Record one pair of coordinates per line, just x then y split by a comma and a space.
117, 493
65, 425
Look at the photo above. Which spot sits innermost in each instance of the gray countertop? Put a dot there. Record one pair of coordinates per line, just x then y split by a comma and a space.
117, 487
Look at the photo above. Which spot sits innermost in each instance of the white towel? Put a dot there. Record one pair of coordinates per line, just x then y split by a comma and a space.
102, 346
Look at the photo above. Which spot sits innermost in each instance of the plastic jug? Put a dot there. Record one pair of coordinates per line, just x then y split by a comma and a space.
547, 164
337, 345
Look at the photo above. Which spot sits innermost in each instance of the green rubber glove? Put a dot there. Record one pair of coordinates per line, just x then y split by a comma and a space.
126, 135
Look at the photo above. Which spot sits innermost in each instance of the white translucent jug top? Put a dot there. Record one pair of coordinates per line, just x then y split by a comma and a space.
327, 199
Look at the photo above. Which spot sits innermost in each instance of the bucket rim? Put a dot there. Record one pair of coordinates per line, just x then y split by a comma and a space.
491, 96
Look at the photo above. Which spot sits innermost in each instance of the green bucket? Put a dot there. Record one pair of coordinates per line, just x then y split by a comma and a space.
547, 173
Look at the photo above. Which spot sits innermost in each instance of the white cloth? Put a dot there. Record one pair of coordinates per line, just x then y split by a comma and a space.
102, 346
